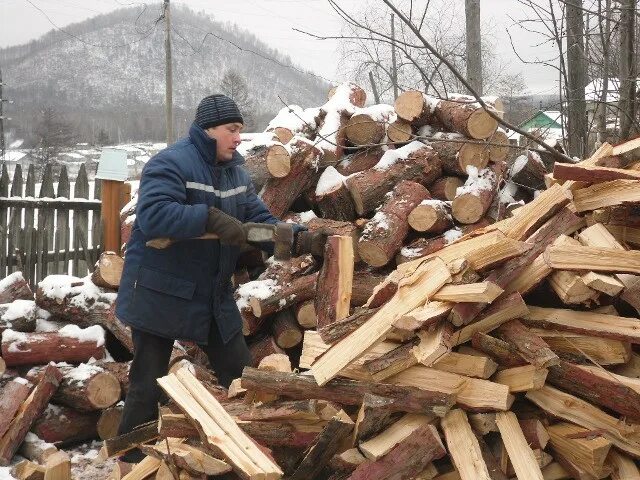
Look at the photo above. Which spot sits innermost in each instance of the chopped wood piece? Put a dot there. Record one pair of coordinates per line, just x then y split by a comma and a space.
430, 276
624, 468
593, 258
333, 290
144, 469
423, 317
33, 406
285, 295
534, 432
108, 270
520, 454
583, 448
584, 322
12, 395
578, 348
286, 331
347, 461
347, 392
381, 444
374, 415
122, 443
470, 365
430, 216
27, 470
472, 292
463, 446
445, 188
335, 331
522, 379
325, 447
58, 467
406, 459
528, 170
592, 173
15, 287
603, 283
572, 409
193, 459
606, 194
36, 449
504, 353
530, 346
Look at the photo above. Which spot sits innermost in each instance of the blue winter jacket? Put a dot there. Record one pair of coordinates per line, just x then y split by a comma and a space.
178, 292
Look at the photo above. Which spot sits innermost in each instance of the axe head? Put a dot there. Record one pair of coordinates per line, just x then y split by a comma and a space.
280, 234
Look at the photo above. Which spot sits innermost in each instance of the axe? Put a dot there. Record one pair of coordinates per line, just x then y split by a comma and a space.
281, 234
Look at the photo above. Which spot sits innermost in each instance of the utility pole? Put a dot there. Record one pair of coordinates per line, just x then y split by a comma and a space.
474, 44
394, 68
168, 73
2, 145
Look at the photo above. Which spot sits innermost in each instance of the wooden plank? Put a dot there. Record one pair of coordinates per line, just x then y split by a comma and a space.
559, 404
413, 291
606, 194
520, 454
62, 224
463, 446
587, 323
80, 220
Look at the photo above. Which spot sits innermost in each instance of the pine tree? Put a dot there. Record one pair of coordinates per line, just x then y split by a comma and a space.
234, 86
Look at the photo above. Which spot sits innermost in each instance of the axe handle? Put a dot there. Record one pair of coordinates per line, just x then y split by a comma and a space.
165, 242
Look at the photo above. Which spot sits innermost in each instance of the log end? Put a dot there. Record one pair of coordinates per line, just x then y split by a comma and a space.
409, 105
103, 390
467, 209
278, 161
399, 131
481, 125
284, 134
372, 254
422, 218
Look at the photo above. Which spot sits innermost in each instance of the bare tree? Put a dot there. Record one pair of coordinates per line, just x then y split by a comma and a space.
52, 134
628, 67
576, 76
235, 87
474, 44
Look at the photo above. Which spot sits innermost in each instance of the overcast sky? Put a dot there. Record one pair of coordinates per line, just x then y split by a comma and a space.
273, 21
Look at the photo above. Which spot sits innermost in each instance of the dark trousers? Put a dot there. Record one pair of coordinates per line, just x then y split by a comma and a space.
151, 355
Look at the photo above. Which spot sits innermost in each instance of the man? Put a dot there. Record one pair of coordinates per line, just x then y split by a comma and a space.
184, 292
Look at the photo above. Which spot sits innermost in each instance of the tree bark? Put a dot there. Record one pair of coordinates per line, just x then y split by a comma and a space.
334, 286
14, 287
12, 395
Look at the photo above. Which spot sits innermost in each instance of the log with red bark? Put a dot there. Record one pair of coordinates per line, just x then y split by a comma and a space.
432, 216
332, 196
305, 313
459, 115
108, 320
347, 91
334, 331
32, 408
415, 162
505, 354
474, 198
528, 170
334, 286
64, 425
592, 173
19, 315
445, 188
529, 345
14, 287
359, 161
367, 126
262, 348
346, 392
384, 234
421, 247
364, 281
278, 194
120, 370
72, 299
69, 344
284, 295
86, 387
457, 153
285, 329
12, 395
265, 160
108, 271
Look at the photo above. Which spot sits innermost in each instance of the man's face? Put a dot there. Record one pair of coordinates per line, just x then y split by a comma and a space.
227, 138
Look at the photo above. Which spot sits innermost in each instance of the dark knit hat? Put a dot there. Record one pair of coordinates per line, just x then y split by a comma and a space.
217, 110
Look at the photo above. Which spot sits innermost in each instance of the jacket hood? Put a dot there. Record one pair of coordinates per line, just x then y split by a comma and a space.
207, 147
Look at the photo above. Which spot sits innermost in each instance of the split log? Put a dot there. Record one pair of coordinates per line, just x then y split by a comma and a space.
431, 216
457, 153
284, 296
332, 196
365, 280
469, 292
504, 353
592, 173
368, 125
445, 188
359, 161
33, 407
286, 332
465, 117
384, 234
27, 470
326, 446
592, 258
334, 285
122, 443
19, 316
86, 387
572, 409
380, 445
534, 432
606, 194
64, 425
402, 461
623, 467
265, 161
69, 344
278, 194
528, 170
474, 198
469, 365
14, 287
375, 414
400, 131
190, 458
12, 395
520, 454
463, 447
58, 467
530, 346
333, 332
583, 448
415, 162
108, 271
347, 392
522, 379
347, 461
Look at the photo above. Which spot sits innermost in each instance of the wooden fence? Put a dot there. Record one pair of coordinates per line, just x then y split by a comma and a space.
52, 231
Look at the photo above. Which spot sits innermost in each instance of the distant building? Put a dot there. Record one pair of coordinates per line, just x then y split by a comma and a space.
544, 124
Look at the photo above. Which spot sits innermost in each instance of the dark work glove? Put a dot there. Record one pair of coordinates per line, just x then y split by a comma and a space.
311, 242
228, 228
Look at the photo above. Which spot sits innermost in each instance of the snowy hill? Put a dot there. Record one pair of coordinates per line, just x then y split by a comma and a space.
113, 78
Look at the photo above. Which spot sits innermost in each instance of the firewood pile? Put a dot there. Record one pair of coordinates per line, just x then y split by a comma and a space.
472, 317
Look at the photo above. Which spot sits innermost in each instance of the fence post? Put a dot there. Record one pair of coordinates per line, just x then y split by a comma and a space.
112, 170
